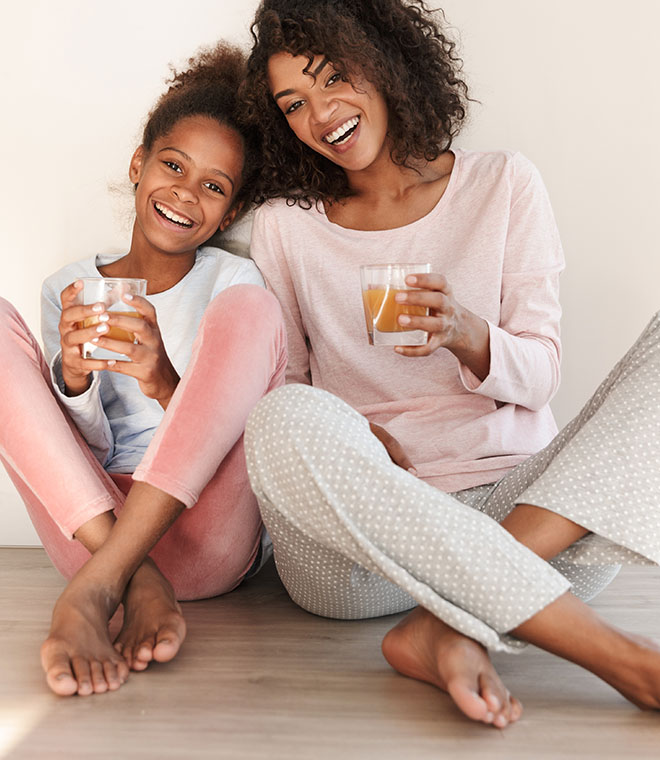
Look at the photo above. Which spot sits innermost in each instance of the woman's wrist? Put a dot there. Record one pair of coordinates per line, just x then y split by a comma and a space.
472, 347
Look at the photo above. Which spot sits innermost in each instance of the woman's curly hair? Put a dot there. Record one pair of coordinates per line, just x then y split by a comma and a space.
209, 87
397, 45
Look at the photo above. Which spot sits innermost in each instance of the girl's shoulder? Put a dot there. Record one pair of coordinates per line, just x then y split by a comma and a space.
88, 267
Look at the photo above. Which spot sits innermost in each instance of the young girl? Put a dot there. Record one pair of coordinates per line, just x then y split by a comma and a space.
358, 104
108, 454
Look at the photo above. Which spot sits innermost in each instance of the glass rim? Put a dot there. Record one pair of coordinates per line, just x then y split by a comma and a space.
367, 267
112, 279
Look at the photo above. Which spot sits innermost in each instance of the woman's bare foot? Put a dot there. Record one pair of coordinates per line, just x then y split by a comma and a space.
78, 656
423, 647
153, 628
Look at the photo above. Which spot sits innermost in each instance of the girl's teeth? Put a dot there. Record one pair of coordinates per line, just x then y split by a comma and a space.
172, 216
333, 137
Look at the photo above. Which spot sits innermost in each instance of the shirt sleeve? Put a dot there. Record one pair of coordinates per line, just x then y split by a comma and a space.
525, 347
86, 410
267, 249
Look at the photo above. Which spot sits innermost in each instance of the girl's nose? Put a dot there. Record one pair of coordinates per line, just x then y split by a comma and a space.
184, 193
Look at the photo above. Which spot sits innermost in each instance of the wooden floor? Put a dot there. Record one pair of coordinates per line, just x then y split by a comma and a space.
260, 678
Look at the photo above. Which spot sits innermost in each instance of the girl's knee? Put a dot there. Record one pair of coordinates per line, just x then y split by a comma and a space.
250, 303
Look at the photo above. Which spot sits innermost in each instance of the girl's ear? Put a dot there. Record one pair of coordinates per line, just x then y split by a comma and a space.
135, 168
229, 217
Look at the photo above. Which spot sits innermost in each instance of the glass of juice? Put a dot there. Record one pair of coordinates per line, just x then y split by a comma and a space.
380, 284
110, 291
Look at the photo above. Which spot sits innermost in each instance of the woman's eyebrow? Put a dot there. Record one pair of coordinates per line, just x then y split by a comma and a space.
314, 73
187, 157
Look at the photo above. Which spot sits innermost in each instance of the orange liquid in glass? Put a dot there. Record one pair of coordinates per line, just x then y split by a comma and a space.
381, 310
115, 333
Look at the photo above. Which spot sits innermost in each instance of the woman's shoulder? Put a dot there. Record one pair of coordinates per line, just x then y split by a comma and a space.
496, 165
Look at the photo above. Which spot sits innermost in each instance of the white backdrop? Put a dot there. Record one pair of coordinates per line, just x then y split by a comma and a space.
573, 84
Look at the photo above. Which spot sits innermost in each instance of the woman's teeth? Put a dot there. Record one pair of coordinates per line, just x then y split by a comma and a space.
341, 134
172, 217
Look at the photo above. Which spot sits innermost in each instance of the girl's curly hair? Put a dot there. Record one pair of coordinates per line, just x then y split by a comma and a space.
398, 45
209, 87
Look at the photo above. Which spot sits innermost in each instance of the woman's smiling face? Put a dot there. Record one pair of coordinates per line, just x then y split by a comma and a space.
186, 184
345, 122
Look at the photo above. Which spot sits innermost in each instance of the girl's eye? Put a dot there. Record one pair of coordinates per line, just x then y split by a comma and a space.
334, 78
173, 165
215, 188
294, 107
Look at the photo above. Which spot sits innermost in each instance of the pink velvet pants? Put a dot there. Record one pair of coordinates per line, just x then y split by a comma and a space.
196, 454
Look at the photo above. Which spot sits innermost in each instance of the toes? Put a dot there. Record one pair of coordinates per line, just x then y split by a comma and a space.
469, 701
59, 675
111, 674
99, 684
83, 676
168, 643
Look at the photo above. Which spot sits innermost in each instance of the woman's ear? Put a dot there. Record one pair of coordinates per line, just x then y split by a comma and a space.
135, 168
230, 216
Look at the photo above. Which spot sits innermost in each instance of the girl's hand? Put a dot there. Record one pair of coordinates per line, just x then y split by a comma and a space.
149, 363
449, 324
393, 447
76, 371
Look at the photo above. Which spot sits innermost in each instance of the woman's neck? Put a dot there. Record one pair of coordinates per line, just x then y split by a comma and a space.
386, 196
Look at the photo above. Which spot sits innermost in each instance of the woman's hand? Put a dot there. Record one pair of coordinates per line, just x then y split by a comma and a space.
149, 363
449, 324
393, 447
76, 371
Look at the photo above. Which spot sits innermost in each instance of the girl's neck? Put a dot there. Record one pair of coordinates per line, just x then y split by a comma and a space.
160, 269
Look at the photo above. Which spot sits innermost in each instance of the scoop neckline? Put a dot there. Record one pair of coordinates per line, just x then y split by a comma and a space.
200, 254
449, 190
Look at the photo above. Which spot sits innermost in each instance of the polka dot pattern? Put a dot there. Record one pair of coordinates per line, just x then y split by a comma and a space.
355, 536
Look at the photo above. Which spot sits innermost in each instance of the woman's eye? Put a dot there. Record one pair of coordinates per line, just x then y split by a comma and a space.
173, 165
294, 107
215, 188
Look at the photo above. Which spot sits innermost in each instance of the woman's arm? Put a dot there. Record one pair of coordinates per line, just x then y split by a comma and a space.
267, 251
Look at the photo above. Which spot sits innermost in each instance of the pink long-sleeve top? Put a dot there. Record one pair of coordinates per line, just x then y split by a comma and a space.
493, 235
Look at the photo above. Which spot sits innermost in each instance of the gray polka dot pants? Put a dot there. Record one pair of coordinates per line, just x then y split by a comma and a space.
355, 536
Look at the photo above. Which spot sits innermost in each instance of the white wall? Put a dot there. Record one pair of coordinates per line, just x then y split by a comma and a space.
571, 83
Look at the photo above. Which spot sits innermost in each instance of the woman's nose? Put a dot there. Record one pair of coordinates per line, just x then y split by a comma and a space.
323, 108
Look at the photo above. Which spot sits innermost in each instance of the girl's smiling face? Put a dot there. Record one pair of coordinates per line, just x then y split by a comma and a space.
346, 124
186, 184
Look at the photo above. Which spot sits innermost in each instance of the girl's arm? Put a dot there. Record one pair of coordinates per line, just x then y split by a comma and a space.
85, 408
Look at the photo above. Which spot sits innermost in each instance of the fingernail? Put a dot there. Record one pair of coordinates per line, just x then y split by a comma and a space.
61, 676
400, 297
411, 279
128, 297
112, 363
404, 319
98, 307
102, 328
412, 470
95, 340
78, 284
489, 717
398, 350
104, 317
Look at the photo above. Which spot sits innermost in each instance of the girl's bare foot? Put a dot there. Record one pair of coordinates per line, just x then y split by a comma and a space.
78, 656
423, 647
153, 628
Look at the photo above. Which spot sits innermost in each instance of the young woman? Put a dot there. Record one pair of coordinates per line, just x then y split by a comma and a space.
107, 454
358, 104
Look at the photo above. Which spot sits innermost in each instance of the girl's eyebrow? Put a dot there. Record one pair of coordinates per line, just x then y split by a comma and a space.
187, 157
314, 73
